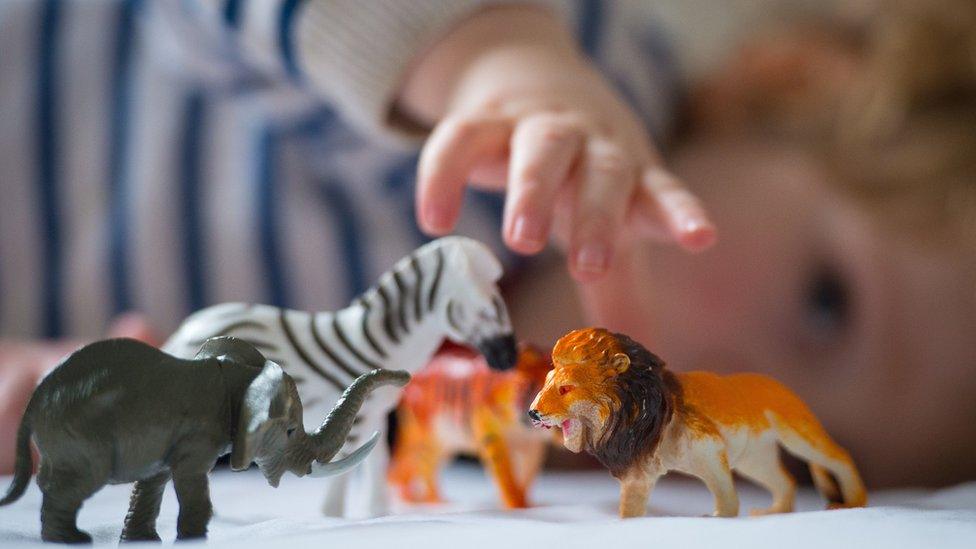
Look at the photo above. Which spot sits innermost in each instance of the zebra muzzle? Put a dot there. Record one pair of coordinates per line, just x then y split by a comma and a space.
500, 352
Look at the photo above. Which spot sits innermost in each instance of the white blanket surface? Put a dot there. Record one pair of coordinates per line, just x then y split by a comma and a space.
573, 509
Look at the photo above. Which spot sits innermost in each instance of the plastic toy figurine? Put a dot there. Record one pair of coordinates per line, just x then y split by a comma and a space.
457, 405
617, 401
120, 411
444, 290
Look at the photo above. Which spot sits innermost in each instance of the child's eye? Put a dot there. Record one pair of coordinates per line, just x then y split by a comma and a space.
563, 389
827, 301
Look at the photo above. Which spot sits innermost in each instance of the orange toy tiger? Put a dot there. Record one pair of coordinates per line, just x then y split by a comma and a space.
617, 401
457, 405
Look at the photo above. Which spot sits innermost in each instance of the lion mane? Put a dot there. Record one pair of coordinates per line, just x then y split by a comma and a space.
646, 398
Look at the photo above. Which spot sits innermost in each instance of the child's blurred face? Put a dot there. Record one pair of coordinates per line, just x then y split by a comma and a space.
878, 334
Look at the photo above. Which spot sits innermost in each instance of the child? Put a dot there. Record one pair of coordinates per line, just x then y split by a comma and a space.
162, 156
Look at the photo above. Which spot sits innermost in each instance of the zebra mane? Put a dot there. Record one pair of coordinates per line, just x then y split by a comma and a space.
410, 290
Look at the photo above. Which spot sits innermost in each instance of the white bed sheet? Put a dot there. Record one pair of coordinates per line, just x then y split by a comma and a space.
573, 510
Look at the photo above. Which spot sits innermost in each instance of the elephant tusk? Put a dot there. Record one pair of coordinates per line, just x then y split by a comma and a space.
319, 469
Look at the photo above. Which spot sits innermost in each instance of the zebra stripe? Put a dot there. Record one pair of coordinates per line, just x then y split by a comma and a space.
303, 355
387, 316
337, 328
419, 277
437, 280
313, 327
403, 294
367, 332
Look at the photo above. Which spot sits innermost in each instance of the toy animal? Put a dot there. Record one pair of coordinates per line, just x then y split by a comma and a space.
456, 405
446, 289
615, 399
120, 411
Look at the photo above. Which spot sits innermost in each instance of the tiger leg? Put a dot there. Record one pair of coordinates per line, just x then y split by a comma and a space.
494, 453
416, 461
403, 466
531, 452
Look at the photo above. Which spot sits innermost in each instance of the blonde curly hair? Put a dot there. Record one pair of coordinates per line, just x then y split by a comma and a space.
887, 101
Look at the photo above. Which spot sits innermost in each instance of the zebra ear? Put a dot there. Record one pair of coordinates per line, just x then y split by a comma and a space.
457, 259
477, 260
265, 401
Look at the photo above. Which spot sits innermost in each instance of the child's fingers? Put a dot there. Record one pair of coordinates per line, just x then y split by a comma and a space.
455, 147
607, 184
662, 200
544, 149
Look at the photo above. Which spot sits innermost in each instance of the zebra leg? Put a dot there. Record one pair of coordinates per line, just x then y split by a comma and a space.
335, 496
374, 479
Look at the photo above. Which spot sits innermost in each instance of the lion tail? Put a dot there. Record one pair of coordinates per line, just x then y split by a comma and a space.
834, 473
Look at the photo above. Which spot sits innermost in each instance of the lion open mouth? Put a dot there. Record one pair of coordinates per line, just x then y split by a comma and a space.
573, 434
572, 431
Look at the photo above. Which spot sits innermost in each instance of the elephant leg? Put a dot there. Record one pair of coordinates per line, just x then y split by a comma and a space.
193, 493
140, 521
374, 479
335, 496
59, 520
64, 492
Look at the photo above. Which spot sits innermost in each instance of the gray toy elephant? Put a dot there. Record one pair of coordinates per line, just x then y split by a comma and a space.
120, 411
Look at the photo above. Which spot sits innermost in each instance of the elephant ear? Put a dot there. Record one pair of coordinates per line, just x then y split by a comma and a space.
231, 349
265, 400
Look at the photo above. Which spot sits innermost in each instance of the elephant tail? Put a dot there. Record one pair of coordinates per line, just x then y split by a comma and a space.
23, 466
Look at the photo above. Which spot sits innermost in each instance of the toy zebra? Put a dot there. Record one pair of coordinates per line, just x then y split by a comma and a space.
446, 289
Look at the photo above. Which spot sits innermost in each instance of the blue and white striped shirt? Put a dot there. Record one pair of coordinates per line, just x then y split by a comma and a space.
151, 159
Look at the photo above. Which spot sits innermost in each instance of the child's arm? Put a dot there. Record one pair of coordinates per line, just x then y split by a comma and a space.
516, 106
352, 54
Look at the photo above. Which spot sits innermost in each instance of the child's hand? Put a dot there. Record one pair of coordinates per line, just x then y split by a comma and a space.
521, 110
22, 363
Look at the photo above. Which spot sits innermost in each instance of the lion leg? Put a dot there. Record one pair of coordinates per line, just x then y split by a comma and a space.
816, 447
761, 464
826, 484
711, 465
635, 490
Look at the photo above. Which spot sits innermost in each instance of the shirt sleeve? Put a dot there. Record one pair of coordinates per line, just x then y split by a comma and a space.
352, 53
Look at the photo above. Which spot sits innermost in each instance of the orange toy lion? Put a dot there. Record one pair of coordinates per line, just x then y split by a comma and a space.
617, 401
457, 405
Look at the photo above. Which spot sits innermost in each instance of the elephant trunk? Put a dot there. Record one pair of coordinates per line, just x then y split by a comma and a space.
328, 439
